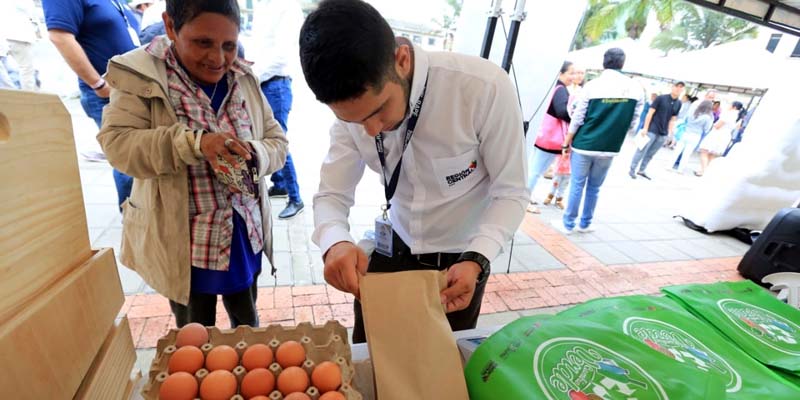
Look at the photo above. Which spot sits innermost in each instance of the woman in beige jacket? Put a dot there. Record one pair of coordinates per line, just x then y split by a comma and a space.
177, 105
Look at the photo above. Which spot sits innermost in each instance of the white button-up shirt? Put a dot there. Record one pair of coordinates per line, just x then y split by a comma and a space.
462, 186
275, 47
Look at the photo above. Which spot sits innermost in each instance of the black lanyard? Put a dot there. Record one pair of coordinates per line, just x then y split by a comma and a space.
391, 186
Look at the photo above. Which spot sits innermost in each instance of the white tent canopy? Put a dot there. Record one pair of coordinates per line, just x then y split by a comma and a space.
638, 55
741, 66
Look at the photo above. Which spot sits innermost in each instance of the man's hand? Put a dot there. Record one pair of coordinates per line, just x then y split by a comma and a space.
104, 92
642, 133
344, 261
213, 144
461, 281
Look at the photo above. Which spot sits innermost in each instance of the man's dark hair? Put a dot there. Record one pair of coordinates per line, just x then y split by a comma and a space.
614, 58
346, 47
681, 84
184, 11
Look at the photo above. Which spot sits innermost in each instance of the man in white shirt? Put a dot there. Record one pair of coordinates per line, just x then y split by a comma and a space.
20, 23
276, 24
5, 79
445, 132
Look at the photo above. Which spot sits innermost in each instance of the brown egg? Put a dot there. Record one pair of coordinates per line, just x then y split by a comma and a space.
332, 396
257, 356
222, 357
178, 386
326, 377
187, 359
192, 334
218, 385
258, 382
259, 398
297, 396
290, 354
293, 379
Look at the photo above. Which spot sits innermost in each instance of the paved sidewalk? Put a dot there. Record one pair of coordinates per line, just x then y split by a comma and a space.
584, 278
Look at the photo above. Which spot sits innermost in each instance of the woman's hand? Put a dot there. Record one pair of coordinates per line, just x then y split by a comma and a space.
223, 144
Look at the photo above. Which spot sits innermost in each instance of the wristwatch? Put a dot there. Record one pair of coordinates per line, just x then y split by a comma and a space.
479, 259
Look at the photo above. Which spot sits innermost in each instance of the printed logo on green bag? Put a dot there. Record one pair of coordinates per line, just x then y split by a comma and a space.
572, 368
677, 344
765, 326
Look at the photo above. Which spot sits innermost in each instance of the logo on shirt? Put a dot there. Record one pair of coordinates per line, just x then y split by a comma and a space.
460, 176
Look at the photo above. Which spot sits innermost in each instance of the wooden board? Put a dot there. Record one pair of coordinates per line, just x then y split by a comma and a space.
43, 232
46, 349
110, 373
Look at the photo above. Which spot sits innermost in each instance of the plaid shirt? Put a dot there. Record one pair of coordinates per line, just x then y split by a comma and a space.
211, 203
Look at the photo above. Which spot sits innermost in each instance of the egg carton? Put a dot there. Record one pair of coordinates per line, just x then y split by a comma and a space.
322, 343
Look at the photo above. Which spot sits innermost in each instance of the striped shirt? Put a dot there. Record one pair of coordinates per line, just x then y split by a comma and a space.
211, 203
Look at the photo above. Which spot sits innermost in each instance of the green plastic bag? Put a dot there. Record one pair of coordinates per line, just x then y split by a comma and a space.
572, 359
663, 325
757, 322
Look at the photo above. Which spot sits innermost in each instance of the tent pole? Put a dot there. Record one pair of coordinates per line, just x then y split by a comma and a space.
516, 20
491, 24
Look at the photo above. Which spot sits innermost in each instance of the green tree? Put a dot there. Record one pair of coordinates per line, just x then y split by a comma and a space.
448, 21
634, 13
582, 38
700, 28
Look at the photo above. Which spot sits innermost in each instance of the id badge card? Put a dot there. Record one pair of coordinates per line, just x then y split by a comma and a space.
383, 236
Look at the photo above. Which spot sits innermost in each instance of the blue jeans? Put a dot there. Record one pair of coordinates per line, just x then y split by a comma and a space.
589, 173
541, 161
93, 107
279, 95
560, 183
685, 148
646, 154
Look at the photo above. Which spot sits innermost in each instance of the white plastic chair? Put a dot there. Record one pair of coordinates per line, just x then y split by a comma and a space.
787, 284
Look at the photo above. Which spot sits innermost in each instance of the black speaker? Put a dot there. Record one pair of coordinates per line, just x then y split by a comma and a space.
777, 249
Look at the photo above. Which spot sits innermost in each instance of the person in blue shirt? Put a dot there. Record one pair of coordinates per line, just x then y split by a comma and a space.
88, 33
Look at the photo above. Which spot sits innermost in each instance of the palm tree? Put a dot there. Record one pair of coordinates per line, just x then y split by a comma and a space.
700, 28
634, 13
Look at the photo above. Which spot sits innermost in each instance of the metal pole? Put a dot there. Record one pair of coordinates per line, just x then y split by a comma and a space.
491, 24
516, 19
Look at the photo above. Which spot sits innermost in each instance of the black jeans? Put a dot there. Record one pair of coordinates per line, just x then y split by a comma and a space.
202, 308
403, 260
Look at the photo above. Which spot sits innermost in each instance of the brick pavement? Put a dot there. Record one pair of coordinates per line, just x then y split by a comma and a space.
584, 278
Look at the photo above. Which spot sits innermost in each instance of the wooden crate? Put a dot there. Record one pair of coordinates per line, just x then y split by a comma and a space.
43, 232
46, 349
110, 374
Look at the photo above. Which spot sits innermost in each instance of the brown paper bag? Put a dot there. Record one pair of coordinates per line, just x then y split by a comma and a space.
412, 348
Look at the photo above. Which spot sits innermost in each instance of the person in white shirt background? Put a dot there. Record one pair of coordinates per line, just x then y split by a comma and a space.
19, 24
139, 7
450, 130
5, 79
276, 25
